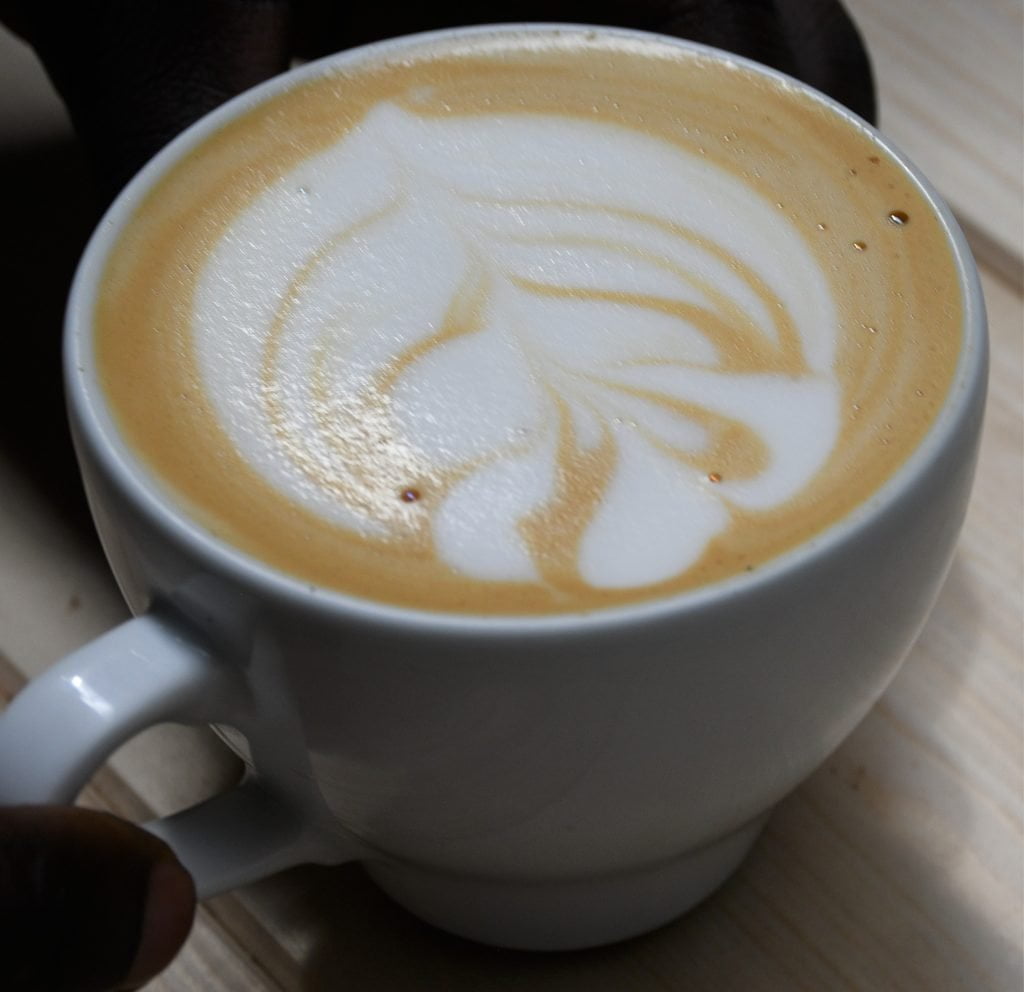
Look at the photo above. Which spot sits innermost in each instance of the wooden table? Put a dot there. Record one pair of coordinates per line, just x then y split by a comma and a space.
897, 866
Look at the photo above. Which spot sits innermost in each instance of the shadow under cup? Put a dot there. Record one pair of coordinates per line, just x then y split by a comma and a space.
546, 781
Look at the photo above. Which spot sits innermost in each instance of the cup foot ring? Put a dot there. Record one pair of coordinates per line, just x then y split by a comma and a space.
566, 914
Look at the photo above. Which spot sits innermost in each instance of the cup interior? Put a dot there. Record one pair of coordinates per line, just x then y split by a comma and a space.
99, 436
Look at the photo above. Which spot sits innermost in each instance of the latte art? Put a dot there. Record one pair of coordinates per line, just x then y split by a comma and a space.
555, 332
507, 327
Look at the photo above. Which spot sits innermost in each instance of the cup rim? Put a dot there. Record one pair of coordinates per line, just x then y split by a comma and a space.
128, 472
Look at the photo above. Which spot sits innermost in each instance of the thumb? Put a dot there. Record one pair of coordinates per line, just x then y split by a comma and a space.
88, 902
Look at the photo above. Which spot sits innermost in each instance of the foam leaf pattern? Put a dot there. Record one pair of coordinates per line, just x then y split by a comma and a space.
581, 348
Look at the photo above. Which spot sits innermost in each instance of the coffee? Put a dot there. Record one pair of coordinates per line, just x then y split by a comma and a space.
528, 322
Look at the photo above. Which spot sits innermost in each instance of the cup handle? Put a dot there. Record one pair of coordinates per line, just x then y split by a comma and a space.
64, 724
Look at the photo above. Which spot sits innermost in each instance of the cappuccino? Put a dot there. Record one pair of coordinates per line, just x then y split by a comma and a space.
528, 321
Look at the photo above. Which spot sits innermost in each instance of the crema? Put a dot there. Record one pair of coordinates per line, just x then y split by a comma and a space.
528, 322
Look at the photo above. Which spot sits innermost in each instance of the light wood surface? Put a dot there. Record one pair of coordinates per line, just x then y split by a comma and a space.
897, 866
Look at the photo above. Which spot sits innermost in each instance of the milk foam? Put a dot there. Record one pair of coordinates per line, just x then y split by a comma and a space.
448, 326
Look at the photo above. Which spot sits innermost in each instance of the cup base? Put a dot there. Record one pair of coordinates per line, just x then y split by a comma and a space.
566, 915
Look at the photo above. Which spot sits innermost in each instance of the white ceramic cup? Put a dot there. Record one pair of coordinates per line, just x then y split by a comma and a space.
544, 782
